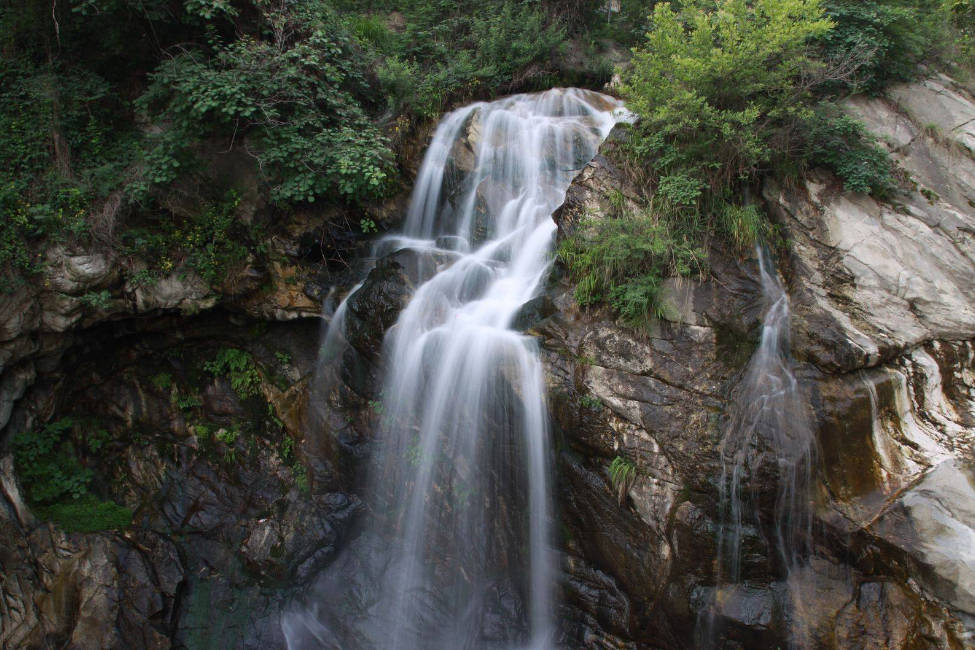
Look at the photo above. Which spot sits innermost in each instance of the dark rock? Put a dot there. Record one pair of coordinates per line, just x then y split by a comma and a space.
533, 312
374, 308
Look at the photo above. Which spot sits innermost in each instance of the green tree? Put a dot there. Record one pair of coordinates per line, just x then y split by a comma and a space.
292, 101
718, 84
883, 40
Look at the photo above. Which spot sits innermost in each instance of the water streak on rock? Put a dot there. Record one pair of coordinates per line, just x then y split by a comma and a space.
766, 453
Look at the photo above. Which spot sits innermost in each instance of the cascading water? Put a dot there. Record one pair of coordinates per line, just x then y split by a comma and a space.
767, 442
461, 505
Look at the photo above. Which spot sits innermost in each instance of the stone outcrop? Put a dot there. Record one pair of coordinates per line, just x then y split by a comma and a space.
885, 289
654, 398
876, 278
224, 524
230, 508
884, 329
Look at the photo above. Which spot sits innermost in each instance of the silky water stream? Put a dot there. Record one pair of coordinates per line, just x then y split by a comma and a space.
455, 550
767, 452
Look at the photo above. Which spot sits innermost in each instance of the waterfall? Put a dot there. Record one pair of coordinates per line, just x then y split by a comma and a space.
766, 453
457, 538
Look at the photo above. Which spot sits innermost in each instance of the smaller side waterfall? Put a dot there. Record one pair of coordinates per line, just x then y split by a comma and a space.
768, 441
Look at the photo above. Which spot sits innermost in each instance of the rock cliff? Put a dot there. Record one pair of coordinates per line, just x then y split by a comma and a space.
882, 297
240, 498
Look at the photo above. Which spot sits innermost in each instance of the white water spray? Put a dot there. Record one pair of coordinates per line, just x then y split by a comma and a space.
460, 478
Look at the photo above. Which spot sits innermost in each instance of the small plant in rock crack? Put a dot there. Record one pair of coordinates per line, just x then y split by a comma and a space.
287, 449
300, 475
186, 402
591, 402
240, 368
228, 436
622, 474
97, 300
162, 381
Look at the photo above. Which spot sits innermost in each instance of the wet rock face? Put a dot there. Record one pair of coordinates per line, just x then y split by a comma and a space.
875, 278
225, 525
887, 368
933, 525
655, 399
82, 591
376, 305
618, 395
882, 295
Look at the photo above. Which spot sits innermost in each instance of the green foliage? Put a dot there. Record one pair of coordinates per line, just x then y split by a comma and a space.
622, 474
228, 436
202, 431
743, 225
61, 145
626, 27
884, 39
162, 381
57, 482
240, 368
840, 143
287, 449
284, 358
143, 278
210, 9
96, 440
300, 475
87, 514
961, 18
716, 84
187, 402
212, 242
445, 54
47, 464
292, 100
111, 109
725, 92
621, 261
681, 190
591, 402
97, 299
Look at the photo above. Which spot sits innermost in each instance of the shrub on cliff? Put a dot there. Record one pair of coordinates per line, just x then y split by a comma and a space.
885, 40
718, 85
726, 90
57, 481
440, 53
291, 100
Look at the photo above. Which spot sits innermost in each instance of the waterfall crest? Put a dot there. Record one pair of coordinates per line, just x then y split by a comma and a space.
458, 530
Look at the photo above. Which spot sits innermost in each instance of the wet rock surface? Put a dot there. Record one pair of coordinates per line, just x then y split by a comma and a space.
883, 325
874, 279
226, 522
